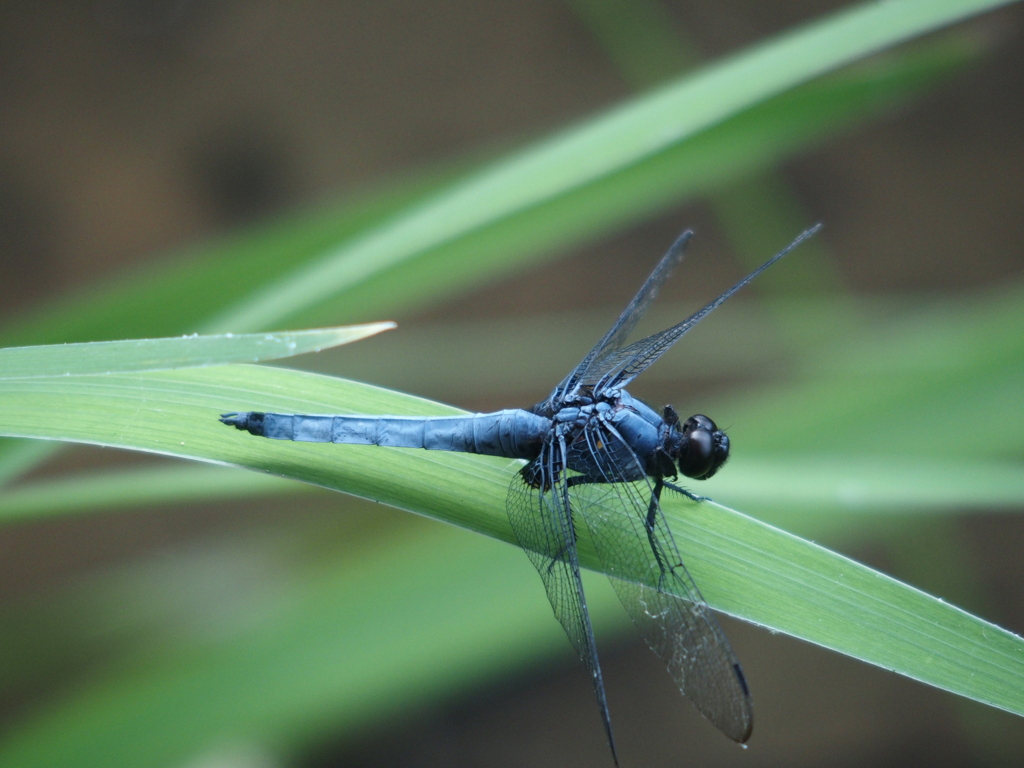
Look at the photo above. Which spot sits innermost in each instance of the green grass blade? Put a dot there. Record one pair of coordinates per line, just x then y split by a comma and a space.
903, 386
372, 632
831, 485
175, 294
182, 294
128, 488
18, 456
751, 141
101, 357
640, 37
745, 568
604, 146
897, 485
824, 598
972, 340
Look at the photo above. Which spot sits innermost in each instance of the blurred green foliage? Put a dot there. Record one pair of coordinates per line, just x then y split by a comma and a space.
328, 626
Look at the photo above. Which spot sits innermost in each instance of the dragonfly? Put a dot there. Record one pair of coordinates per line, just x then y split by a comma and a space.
599, 460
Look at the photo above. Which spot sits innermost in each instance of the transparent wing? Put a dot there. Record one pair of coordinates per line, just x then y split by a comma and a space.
637, 551
627, 321
616, 369
541, 518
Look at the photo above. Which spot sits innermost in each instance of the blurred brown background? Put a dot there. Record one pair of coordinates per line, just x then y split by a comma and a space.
129, 129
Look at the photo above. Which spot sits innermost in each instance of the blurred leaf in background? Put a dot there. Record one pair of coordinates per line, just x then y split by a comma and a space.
268, 629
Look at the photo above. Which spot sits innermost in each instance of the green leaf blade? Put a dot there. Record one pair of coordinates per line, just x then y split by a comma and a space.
136, 355
769, 577
598, 148
744, 567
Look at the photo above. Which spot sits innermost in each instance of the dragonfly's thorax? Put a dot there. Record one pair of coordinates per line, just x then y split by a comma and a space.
640, 441
632, 436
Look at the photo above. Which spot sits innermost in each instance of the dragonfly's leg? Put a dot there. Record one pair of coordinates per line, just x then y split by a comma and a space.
581, 480
649, 523
671, 417
551, 470
688, 494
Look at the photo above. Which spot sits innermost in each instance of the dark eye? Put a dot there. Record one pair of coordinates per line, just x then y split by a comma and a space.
705, 449
695, 459
699, 422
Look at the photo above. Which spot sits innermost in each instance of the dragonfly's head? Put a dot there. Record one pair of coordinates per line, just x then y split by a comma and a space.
703, 448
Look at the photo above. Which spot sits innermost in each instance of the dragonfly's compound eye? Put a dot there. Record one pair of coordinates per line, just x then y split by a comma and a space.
699, 421
705, 448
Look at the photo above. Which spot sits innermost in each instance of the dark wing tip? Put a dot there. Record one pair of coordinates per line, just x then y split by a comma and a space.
744, 737
747, 733
741, 729
737, 726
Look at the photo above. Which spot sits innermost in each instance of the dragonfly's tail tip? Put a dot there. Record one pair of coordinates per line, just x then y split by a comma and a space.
234, 419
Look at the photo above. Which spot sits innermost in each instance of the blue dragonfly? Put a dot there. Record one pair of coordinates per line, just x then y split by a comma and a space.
601, 459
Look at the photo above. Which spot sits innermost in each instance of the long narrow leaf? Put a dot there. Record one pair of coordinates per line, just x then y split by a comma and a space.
608, 144
182, 352
136, 487
746, 568
152, 302
838, 484
275, 655
181, 294
927, 339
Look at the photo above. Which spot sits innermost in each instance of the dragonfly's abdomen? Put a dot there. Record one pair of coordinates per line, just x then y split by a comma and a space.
515, 434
